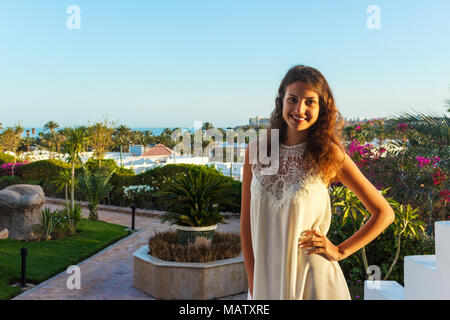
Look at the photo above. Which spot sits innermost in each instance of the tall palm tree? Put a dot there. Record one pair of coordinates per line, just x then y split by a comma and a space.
73, 146
121, 136
100, 139
148, 137
51, 126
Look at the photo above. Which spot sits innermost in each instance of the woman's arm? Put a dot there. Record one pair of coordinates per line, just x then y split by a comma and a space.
373, 200
246, 235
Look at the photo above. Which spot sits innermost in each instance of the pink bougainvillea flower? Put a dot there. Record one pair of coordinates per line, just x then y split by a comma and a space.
358, 128
445, 195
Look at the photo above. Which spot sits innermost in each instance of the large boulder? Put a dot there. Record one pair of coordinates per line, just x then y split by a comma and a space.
20, 210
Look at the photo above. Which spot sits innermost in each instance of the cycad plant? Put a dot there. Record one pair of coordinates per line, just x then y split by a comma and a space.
95, 186
193, 198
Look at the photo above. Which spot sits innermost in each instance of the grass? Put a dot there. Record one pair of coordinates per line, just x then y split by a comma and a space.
48, 258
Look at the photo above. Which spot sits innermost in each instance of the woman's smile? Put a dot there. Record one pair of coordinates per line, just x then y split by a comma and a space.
297, 119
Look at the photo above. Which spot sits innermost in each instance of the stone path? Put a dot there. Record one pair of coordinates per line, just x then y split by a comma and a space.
109, 274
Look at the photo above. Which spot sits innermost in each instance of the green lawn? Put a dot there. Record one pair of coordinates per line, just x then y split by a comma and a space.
48, 258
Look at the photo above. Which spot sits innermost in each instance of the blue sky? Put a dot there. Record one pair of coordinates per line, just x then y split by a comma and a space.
167, 64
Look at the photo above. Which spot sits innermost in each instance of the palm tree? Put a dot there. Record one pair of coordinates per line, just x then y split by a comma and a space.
148, 137
137, 137
73, 146
100, 139
28, 140
62, 180
95, 186
207, 126
51, 126
121, 136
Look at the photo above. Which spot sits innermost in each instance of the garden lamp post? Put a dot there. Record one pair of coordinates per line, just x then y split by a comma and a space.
133, 210
23, 253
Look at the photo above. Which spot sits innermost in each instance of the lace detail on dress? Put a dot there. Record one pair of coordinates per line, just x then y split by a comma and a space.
291, 176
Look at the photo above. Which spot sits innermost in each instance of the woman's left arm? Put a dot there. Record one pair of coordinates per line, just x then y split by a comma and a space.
382, 214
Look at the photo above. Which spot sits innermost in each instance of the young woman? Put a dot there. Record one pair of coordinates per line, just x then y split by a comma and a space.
285, 216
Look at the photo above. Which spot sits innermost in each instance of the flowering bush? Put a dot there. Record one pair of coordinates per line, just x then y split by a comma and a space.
7, 168
424, 161
133, 192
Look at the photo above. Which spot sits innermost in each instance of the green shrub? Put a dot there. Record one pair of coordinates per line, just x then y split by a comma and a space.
381, 251
46, 171
6, 158
59, 223
6, 181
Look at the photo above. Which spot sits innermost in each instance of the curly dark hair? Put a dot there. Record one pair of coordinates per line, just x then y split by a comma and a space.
325, 134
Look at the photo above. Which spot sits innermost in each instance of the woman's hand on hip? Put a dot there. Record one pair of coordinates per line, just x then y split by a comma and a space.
316, 242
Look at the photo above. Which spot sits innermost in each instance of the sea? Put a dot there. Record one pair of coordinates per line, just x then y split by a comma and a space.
155, 131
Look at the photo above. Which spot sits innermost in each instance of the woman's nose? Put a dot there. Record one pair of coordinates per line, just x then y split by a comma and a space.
301, 107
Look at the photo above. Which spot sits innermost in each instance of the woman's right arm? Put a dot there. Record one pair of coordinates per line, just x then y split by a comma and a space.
246, 234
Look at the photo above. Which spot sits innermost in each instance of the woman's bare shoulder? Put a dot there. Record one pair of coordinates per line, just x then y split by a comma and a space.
338, 152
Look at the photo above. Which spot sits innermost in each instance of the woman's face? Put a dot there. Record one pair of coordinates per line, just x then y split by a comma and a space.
300, 102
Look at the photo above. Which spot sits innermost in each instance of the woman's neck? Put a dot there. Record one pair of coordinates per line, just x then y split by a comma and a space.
296, 137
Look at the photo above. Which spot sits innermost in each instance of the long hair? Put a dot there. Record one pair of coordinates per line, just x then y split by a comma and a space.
323, 134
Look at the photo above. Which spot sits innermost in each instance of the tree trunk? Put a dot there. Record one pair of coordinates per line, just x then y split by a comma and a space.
67, 203
364, 257
72, 187
93, 213
121, 164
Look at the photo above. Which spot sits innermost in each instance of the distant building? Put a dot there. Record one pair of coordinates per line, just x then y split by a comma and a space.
259, 121
158, 153
136, 150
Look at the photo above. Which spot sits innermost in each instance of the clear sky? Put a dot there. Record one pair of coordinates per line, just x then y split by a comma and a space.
169, 63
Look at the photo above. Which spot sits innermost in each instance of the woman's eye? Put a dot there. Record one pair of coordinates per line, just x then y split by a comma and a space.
311, 102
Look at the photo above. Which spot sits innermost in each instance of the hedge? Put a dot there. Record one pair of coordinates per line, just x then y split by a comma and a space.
45, 171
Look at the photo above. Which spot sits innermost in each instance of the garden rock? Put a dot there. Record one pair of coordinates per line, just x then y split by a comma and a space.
20, 210
4, 234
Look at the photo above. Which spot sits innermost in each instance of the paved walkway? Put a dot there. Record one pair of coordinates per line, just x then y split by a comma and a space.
109, 274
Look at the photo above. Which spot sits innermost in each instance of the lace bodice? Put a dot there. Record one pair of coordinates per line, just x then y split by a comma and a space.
291, 176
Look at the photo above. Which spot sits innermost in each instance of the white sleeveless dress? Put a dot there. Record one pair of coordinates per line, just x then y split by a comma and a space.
283, 205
